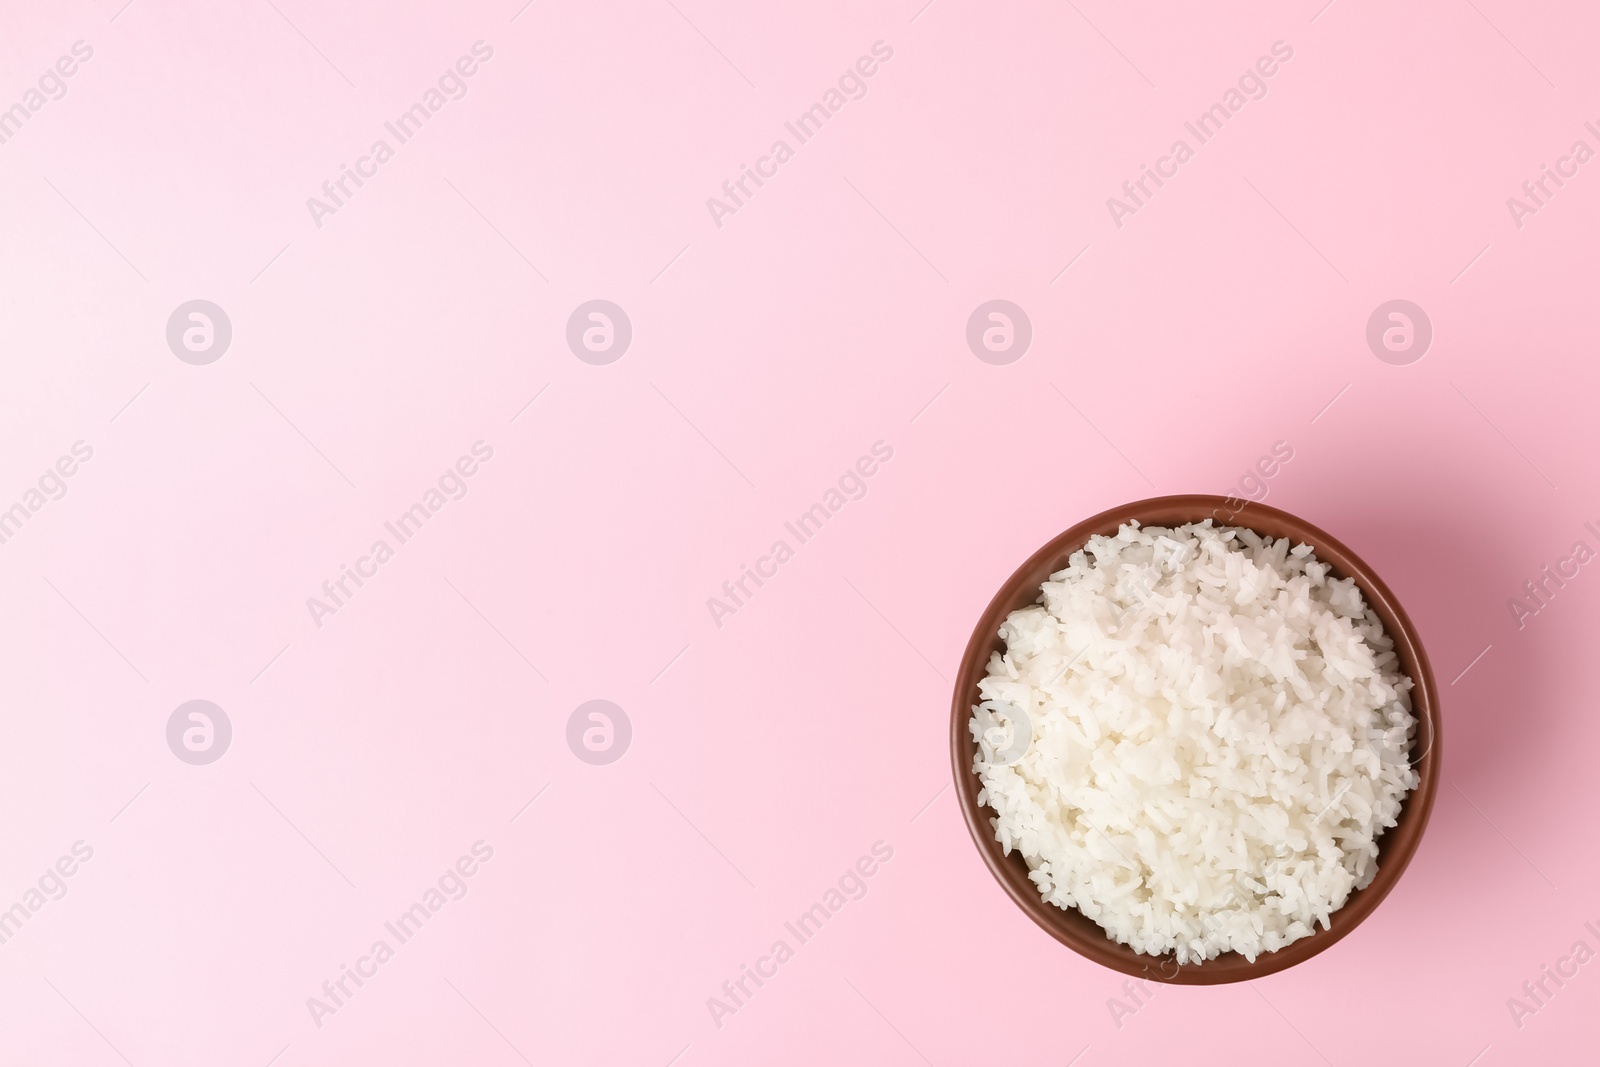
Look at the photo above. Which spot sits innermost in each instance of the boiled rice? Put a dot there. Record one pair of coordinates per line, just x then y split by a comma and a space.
1196, 738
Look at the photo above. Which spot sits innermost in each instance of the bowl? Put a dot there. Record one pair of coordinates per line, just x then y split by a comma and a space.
1071, 927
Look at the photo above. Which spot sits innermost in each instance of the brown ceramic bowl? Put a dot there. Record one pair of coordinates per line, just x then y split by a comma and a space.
1071, 927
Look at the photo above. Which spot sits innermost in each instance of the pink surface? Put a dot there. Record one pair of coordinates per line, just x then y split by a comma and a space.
776, 340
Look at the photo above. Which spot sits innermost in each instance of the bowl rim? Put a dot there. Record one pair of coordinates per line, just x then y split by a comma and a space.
1069, 926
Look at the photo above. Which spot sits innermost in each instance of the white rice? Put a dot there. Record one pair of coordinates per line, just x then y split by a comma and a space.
1215, 734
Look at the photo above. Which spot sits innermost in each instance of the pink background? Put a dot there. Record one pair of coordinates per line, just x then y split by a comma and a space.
828, 313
